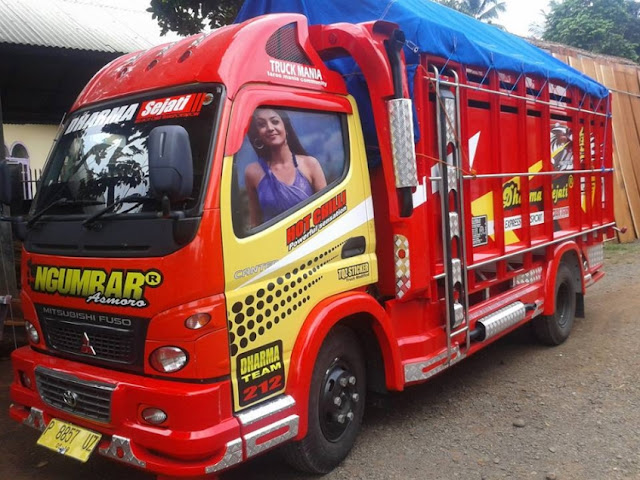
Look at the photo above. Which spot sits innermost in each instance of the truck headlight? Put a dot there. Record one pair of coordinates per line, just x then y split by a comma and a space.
32, 332
168, 359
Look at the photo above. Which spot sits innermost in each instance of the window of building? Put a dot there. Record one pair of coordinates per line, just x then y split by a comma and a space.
18, 150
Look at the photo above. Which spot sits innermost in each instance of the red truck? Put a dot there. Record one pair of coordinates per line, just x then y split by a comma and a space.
228, 252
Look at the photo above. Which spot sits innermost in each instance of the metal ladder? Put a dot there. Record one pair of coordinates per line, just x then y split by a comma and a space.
453, 214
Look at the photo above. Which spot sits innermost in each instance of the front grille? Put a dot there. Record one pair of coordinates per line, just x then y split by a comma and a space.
94, 337
91, 400
108, 345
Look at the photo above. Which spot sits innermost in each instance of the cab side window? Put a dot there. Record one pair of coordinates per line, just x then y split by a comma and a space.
287, 158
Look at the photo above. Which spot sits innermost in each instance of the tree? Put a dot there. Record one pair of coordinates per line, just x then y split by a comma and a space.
187, 17
611, 27
484, 10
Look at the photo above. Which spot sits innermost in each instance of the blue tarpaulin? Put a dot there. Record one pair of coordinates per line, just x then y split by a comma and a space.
439, 31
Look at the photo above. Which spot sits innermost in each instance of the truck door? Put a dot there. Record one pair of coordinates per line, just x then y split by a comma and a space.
297, 225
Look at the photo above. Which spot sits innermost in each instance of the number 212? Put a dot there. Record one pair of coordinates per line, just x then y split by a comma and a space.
274, 383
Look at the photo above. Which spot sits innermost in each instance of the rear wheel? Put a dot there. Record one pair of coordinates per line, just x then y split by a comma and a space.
336, 405
555, 329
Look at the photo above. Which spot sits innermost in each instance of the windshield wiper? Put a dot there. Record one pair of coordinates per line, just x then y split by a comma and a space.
59, 203
136, 199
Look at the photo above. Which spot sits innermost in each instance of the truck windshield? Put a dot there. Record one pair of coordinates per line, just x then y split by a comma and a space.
101, 155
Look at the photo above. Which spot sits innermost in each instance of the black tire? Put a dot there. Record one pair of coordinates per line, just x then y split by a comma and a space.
555, 329
329, 441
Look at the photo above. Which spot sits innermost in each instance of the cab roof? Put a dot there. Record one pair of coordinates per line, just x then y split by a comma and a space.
228, 55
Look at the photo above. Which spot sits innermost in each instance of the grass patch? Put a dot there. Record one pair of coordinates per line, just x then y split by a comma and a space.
614, 250
613, 247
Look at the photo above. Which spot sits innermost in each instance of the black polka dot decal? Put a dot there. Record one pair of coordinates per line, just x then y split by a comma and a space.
262, 310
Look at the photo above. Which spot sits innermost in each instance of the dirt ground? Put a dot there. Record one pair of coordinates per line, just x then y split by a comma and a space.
577, 407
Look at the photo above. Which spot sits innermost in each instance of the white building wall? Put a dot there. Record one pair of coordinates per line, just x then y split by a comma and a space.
37, 139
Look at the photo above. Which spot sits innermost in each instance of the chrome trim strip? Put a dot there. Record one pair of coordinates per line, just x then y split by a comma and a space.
107, 387
456, 270
251, 439
402, 265
459, 316
232, 456
595, 255
266, 409
35, 419
414, 372
539, 308
454, 221
588, 280
440, 368
403, 145
125, 444
530, 276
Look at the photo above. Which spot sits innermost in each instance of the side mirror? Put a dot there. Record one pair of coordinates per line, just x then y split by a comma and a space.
10, 184
170, 163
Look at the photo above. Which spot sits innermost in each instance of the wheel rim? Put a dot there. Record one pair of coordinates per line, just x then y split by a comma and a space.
338, 400
563, 303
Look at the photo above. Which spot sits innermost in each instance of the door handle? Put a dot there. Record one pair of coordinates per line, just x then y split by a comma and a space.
354, 246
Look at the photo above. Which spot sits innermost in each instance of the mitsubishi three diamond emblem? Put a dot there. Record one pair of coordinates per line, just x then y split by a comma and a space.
86, 347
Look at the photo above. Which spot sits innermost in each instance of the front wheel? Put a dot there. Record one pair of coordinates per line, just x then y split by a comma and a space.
554, 329
336, 405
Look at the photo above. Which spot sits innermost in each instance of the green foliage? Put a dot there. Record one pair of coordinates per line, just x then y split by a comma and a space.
484, 10
187, 17
610, 27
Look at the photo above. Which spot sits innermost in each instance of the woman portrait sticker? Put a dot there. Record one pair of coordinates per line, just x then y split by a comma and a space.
278, 169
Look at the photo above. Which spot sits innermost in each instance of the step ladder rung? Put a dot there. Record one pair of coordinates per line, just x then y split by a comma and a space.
454, 225
459, 317
456, 270
457, 332
452, 179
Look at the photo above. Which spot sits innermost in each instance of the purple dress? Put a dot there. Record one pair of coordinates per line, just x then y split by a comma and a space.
275, 196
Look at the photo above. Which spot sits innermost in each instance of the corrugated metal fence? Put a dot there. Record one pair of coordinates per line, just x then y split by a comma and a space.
622, 77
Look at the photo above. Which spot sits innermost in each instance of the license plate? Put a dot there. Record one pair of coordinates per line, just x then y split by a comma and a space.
69, 440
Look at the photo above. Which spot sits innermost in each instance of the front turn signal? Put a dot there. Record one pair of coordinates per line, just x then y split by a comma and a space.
197, 321
32, 332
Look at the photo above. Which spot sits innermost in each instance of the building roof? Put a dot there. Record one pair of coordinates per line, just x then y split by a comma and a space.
110, 26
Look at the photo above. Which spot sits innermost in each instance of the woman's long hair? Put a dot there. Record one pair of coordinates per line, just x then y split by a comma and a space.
292, 138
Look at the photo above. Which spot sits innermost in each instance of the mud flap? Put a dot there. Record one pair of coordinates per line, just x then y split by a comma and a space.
580, 305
